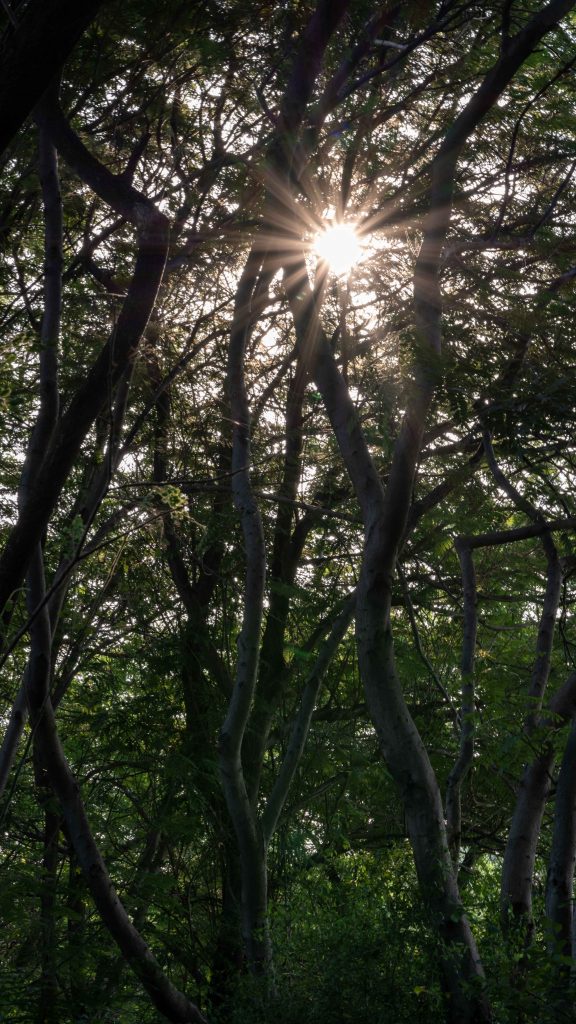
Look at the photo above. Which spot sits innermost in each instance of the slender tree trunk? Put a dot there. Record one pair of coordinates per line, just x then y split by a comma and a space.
520, 854
114, 361
385, 516
251, 847
408, 762
38, 463
168, 1000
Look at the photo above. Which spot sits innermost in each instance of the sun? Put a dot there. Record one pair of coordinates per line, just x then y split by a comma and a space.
339, 247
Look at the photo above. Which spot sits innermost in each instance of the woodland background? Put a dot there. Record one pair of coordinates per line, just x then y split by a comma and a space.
287, 570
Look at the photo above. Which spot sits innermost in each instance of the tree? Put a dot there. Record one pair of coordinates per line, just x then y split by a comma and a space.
221, 453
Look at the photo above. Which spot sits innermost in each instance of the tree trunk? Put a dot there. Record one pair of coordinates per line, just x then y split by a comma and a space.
51, 758
409, 765
520, 854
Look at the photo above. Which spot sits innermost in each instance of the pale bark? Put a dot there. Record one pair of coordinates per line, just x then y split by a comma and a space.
522, 843
521, 847
404, 752
518, 533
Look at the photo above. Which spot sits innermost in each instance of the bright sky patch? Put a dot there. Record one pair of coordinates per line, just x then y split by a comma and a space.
339, 247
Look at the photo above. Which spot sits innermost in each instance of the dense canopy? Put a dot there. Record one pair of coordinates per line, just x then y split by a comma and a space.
287, 566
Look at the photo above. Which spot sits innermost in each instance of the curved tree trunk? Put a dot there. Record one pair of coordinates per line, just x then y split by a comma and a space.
168, 1000
114, 361
521, 847
520, 855
48, 752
